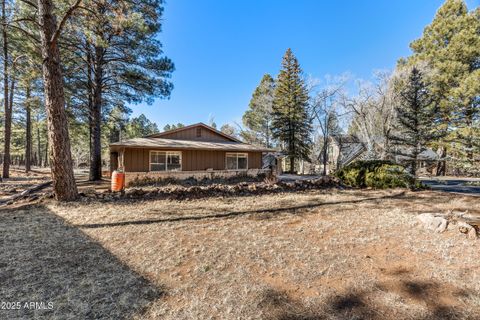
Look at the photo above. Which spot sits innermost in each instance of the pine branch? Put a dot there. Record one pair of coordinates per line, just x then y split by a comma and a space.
28, 34
30, 3
67, 15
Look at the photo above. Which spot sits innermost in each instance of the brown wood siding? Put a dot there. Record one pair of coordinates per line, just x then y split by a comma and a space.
191, 134
137, 160
254, 160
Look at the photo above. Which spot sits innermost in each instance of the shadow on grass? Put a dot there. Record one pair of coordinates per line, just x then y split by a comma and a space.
292, 209
43, 259
362, 304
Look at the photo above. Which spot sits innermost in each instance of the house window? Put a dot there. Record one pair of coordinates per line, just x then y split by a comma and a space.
199, 132
237, 161
165, 161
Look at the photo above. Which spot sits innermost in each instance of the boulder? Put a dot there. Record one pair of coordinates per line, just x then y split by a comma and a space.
431, 222
464, 227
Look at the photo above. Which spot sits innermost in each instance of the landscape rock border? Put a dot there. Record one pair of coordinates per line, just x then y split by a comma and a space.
179, 192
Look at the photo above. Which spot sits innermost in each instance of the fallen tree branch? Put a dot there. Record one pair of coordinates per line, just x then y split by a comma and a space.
26, 192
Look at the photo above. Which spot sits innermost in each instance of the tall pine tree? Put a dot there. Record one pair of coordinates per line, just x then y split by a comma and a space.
416, 125
291, 123
258, 118
124, 59
451, 46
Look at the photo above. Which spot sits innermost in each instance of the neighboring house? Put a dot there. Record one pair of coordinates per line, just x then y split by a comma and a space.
274, 161
193, 151
427, 161
344, 149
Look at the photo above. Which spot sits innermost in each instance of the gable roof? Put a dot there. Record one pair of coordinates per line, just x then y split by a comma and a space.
200, 124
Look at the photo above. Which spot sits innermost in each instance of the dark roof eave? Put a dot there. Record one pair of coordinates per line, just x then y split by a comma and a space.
118, 146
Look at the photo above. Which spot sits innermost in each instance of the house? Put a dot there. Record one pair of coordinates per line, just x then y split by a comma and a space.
427, 161
344, 149
198, 151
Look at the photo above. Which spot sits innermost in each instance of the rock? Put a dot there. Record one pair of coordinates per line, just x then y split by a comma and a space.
430, 222
472, 234
289, 185
89, 191
464, 227
134, 192
274, 186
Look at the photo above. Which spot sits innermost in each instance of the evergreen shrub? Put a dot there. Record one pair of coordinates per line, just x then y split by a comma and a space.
377, 174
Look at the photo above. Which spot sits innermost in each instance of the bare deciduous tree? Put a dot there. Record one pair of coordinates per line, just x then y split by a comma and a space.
325, 111
372, 114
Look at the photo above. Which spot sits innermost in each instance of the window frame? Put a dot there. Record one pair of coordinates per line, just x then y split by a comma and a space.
167, 153
244, 155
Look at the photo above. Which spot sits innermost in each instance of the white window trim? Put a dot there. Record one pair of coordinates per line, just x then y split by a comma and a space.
166, 161
236, 155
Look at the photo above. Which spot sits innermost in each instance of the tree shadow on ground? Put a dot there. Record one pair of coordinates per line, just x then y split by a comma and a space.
291, 209
356, 303
43, 259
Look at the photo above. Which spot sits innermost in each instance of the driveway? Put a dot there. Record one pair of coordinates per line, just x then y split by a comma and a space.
296, 177
453, 184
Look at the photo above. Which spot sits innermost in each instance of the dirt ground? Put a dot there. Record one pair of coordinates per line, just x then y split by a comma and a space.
327, 254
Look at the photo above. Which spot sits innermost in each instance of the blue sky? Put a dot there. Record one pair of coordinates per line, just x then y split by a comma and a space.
221, 49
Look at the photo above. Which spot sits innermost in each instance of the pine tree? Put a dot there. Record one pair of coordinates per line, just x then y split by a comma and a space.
7, 111
416, 125
258, 118
173, 126
228, 129
451, 46
140, 127
291, 123
465, 52
124, 62
64, 185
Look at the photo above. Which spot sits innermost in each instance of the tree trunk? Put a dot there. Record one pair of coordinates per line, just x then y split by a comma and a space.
325, 156
441, 167
8, 128
28, 131
45, 158
96, 119
413, 169
63, 179
267, 136
469, 122
292, 164
39, 147
7, 115
90, 95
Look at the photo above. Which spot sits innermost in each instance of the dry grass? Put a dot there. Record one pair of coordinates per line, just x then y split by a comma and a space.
330, 255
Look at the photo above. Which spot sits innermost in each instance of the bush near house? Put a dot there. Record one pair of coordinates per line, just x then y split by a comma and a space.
192, 181
377, 174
